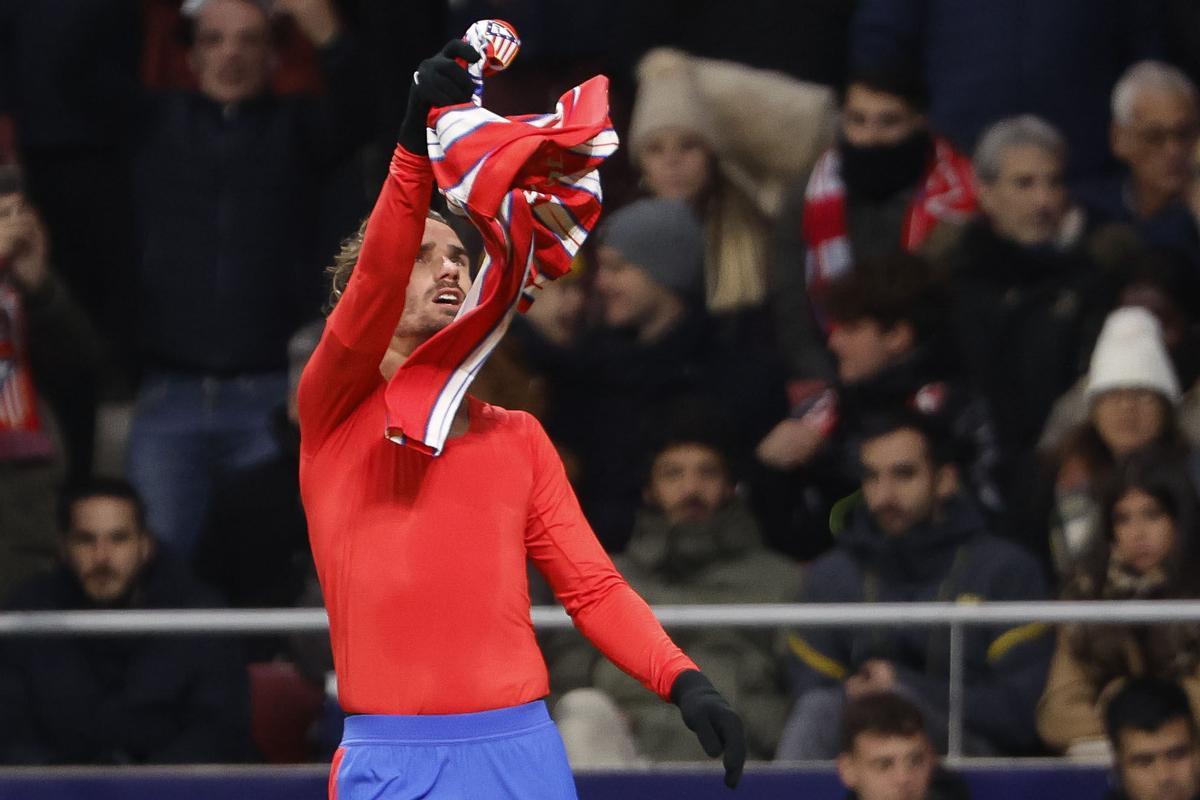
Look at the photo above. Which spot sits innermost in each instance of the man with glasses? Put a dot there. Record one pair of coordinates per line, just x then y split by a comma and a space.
1155, 127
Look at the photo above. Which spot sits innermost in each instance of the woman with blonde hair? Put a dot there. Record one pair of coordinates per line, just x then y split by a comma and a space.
726, 139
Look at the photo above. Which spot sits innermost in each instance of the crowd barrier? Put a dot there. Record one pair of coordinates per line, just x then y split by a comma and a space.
955, 616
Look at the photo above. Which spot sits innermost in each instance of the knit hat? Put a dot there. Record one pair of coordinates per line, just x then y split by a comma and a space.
668, 97
765, 128
663, 238
1130, 355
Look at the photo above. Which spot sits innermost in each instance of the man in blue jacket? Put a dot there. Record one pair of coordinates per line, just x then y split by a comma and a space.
915, 537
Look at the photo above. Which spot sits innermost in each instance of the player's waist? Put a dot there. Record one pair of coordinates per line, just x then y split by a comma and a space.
437, 728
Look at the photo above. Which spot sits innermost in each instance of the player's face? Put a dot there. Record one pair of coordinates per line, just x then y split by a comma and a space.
688, 483
888, 767
439, 282
1028, 199
1159, 765
232, 55
105, 548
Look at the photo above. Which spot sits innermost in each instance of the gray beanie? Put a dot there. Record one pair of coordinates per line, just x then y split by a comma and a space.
663, 238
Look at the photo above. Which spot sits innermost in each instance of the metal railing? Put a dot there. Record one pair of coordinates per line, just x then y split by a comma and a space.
957, 616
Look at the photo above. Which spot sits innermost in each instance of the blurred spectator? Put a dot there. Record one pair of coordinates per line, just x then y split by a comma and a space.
917, 537
1132, 394
1169, 287
255, 546
47, 349
521, 372
887, 184
1155, 129
68, 75
165, 51
726, 138
886, 753
886, 324
68, 380
118, 699
990, 59
1149, 552
694, 541
549, 328
1026, 294
653, 347
1152, 731
230, 183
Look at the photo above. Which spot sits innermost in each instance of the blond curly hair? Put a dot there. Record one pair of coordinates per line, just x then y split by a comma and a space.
343, 263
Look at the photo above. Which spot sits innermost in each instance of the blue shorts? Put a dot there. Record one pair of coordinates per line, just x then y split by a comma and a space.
490, 755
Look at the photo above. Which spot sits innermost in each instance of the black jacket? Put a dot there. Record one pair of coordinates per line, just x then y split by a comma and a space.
121, 699
613, 395
954, 560
1025, 320
229, 200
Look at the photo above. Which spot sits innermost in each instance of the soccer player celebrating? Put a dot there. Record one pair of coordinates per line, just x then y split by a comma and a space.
422, 559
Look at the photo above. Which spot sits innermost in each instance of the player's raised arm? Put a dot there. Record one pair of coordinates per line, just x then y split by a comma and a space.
374, 266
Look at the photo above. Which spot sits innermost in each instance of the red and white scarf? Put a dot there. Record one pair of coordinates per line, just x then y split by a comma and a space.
531, 187
22, 433
946, 193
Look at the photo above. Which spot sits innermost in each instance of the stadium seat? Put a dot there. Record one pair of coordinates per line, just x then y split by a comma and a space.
283, 706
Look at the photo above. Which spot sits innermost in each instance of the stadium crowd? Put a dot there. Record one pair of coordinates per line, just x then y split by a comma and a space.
891, 301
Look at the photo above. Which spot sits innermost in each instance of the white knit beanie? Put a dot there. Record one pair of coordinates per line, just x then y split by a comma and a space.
1130, 355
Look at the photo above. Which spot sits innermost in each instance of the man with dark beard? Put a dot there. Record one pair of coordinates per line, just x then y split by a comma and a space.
118, 699
916, 537
887, 184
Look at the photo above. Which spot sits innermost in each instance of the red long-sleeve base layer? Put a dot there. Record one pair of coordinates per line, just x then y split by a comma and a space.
422, 560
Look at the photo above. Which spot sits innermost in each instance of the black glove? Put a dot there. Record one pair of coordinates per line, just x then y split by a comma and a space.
439, 81
716, 724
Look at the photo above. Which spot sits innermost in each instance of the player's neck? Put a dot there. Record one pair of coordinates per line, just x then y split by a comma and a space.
398, 351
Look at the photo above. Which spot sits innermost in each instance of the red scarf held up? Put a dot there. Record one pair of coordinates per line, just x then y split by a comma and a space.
22, 433
946, 193
530, 185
